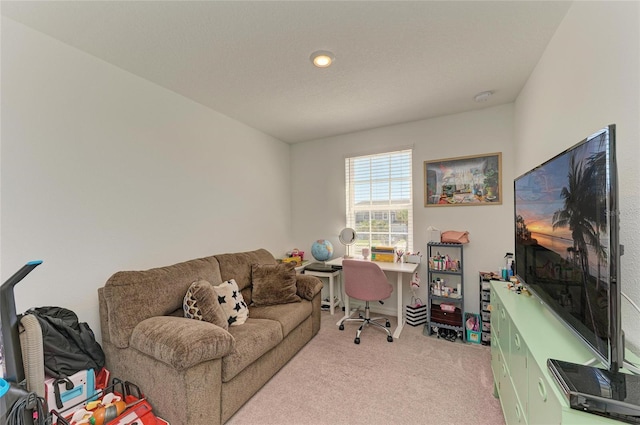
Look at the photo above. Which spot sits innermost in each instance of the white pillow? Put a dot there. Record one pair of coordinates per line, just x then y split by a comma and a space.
232, 303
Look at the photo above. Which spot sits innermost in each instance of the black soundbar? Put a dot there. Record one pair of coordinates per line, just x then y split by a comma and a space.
599, 391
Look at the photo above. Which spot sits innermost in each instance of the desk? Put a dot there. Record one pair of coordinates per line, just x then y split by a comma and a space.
400, 269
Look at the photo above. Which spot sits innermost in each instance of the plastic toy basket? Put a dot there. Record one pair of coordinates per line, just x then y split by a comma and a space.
138, 410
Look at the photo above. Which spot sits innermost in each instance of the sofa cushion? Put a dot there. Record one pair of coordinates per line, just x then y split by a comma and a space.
181, 343
288, 315
253, 339
307, 286
201, 303
274, 284
127, 294
232, 302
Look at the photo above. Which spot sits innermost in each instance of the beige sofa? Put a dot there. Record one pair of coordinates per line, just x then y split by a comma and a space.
194, 372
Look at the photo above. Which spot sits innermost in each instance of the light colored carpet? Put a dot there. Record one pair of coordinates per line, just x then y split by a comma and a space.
415, 379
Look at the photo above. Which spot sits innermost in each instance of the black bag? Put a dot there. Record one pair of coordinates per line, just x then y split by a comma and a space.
68, 346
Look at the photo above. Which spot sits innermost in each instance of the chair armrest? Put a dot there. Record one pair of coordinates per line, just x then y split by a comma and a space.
307, 286
180, 342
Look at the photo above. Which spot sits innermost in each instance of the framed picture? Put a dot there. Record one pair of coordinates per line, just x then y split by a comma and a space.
467, 180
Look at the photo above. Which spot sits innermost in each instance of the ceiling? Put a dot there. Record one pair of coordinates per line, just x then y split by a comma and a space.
396, 61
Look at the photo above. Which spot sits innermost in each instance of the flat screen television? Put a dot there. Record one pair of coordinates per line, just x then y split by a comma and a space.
567, 251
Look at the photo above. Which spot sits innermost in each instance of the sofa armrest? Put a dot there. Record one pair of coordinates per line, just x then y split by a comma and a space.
179, 342
307, 286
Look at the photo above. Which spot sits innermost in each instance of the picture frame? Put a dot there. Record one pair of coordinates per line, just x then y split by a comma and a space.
463, 181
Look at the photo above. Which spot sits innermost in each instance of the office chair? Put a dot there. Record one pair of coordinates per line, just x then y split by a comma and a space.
364, 280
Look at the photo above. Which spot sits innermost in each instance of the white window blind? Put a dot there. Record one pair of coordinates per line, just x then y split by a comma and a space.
379, 199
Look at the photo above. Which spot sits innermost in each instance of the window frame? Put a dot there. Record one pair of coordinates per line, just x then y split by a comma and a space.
398, 177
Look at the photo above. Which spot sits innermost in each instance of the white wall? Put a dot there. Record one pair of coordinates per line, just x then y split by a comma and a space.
103, 171
588, 78
317, 170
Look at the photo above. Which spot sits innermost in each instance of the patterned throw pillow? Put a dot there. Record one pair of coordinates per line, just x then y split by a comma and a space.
232, 303
201, 303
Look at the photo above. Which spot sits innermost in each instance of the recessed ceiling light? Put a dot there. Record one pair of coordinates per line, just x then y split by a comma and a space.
483, 96
322, 58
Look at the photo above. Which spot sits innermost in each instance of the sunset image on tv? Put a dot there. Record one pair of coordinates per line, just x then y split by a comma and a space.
562, 235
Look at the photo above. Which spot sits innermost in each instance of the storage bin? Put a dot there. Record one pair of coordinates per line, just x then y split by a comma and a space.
473, 336
416, 314
413, 259
433, 234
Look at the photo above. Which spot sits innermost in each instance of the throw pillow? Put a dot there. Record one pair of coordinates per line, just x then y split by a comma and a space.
201, 303
232, 303
274, 284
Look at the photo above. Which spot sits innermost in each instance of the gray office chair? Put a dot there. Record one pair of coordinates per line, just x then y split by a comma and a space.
364, 280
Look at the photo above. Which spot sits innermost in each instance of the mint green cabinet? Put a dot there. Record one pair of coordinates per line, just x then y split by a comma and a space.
524, 335
503, 328
518, 362
543, 406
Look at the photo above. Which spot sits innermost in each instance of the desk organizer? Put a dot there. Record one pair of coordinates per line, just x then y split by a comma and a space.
413, 259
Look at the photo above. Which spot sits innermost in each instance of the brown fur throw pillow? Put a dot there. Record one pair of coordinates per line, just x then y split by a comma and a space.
274, 284
201, 303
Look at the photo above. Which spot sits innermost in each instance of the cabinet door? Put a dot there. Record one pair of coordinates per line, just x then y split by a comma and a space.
495, 308
496, 362
544, 407
504, 329
518, 365
511, 407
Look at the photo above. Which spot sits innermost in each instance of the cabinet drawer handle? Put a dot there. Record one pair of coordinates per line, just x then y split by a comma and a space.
542, 389
518, 413
503, 314
516, 340
504, 369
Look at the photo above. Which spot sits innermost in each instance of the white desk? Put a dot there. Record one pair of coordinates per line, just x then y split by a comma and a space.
400, 269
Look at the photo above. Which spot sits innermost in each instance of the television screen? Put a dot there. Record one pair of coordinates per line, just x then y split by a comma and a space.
566, 239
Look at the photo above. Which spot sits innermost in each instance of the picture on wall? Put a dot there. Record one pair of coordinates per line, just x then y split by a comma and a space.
467, 180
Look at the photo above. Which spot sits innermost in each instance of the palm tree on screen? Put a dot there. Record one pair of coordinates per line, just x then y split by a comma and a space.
579, 215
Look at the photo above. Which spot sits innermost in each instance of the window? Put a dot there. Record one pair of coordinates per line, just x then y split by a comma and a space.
380, 200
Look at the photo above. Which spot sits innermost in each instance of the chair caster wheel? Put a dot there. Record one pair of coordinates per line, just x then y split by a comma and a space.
356, 341
341, 327
388, 324
389, 338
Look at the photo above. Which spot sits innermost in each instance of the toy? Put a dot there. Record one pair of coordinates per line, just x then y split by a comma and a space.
108, 413
99, 412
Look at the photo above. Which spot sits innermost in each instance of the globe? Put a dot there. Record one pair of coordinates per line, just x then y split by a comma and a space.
322, 250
